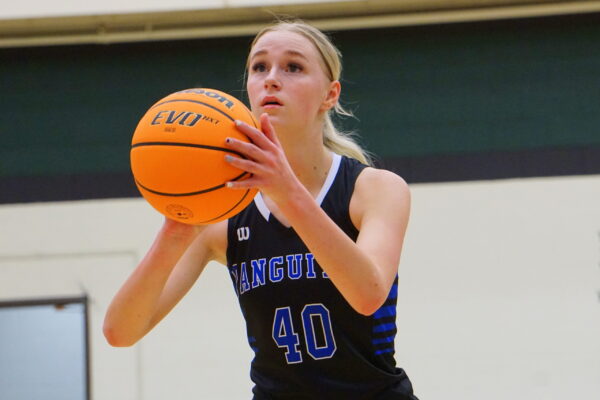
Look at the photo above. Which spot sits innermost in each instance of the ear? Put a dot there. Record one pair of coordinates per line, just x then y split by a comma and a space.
333, 94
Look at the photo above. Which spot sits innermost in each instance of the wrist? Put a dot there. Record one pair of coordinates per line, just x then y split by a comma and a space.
179, 230
298, 204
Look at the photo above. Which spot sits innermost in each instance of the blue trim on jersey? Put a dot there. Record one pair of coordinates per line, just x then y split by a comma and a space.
388, 339
378, 352
251, 340
385, 311
384, 327
394, 292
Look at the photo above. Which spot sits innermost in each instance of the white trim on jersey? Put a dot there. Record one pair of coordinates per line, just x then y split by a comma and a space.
335, 166
262, 207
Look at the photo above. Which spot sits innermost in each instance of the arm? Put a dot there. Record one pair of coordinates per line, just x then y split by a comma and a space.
169, 269
363, 271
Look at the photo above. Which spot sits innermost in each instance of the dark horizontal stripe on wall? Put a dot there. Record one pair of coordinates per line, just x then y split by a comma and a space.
496, 165
432, 168
67, 187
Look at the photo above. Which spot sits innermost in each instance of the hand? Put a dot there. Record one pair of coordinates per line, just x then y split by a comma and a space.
265, 160
181, 230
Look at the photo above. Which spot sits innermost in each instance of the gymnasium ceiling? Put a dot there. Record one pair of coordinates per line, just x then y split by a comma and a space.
237, 21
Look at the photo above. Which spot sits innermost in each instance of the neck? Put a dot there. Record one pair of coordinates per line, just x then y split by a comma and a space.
309, 158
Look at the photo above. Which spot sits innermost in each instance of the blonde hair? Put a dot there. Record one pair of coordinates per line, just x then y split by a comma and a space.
335, 140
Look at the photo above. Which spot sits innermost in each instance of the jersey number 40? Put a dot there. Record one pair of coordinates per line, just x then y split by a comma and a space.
314, 316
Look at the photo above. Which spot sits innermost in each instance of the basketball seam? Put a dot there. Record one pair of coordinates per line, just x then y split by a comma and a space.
230, 210
200, 146
237, 178
252, 118
197, 102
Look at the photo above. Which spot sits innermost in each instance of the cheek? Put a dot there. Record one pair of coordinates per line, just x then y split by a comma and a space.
251, 88
314, 96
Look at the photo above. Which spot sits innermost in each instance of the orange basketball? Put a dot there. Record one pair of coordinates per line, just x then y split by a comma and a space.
178, 156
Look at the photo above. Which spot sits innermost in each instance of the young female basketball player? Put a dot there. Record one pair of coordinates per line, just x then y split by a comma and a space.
314, 259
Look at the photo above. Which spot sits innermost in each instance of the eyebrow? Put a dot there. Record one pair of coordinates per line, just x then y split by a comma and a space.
288, 52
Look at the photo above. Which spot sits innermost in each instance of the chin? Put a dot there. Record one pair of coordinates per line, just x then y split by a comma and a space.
273, 115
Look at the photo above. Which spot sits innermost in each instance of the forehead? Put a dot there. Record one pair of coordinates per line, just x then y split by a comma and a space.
275, 42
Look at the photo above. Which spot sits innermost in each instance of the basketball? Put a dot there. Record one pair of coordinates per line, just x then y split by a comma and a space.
178, 156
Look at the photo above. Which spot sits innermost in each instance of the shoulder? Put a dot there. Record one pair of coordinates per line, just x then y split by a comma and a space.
381, 178
379, 192
373, 184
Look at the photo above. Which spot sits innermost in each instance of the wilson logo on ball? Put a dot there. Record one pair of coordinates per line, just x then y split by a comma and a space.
212, 94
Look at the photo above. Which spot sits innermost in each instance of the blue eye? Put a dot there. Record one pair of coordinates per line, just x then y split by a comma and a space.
258, 67
293, 67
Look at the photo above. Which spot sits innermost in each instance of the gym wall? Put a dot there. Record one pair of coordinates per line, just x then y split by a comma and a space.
437, 103
493, 124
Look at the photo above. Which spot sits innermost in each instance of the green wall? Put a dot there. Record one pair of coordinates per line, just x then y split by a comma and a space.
416, 91
473, 88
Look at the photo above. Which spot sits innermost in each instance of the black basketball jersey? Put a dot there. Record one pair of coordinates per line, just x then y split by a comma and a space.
309, 343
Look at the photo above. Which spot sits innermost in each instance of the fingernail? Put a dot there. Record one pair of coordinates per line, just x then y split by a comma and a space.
228, 158
228, 140
229, 184
237, 122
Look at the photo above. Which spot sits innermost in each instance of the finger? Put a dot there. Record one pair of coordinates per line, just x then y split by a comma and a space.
256, 136
245, 149
249, 183
243, 164
267, 128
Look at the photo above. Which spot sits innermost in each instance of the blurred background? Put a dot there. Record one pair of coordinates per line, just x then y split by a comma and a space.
489, 109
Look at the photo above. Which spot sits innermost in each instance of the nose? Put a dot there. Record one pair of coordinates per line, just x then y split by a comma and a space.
272, 79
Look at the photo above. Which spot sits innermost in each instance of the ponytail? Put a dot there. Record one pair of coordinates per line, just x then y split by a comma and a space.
343, 143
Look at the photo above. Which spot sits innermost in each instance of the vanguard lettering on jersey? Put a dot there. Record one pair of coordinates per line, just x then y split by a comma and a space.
264, 271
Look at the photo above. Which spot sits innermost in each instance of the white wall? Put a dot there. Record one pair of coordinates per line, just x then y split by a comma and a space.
88, 248
44, 8
498, 293
499, 290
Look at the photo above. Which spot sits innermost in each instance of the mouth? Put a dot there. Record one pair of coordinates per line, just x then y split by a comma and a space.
270, 101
